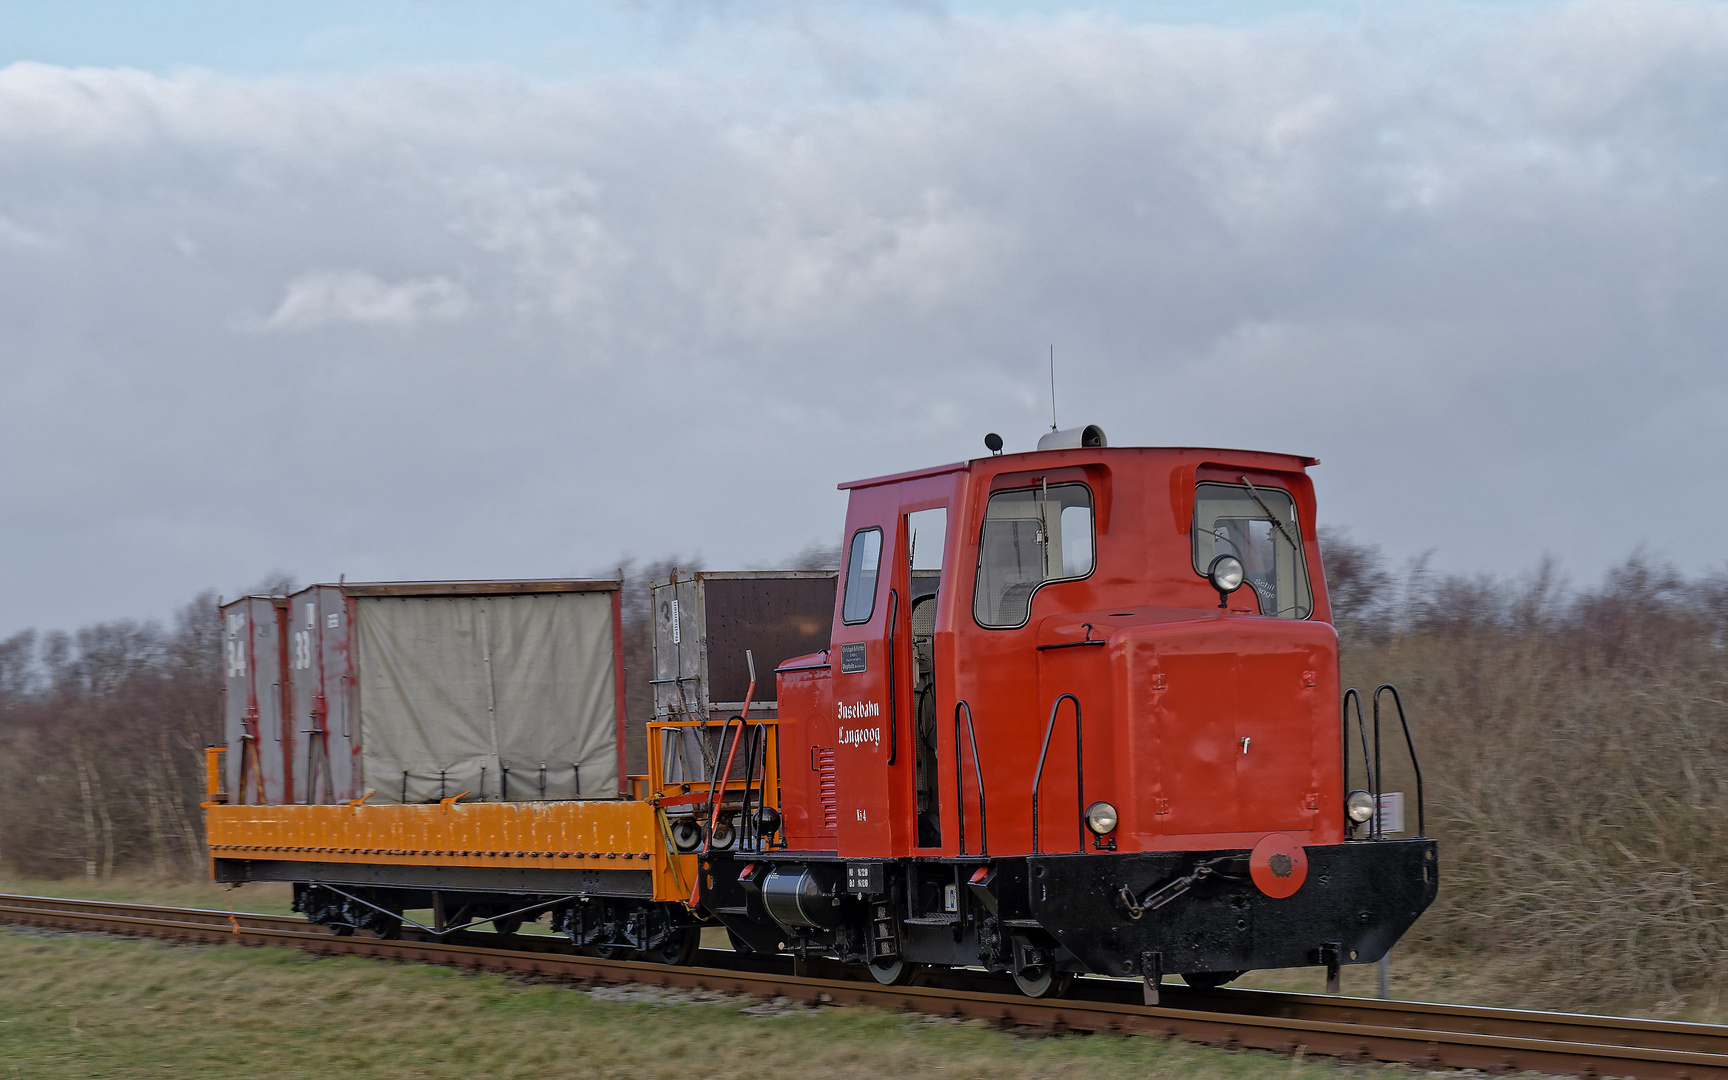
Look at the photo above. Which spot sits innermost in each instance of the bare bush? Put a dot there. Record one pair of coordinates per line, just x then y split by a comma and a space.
1577, 765
101, 737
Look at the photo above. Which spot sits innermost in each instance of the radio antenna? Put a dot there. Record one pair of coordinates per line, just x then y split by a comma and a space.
1052, 387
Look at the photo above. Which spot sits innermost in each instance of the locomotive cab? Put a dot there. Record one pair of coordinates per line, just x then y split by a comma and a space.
1079, 713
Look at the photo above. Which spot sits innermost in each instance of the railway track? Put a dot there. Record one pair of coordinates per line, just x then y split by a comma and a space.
1355, 1029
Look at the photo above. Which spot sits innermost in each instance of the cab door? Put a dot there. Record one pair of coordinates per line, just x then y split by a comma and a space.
884, 629
866, 671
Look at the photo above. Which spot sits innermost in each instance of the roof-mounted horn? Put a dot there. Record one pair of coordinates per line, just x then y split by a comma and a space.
1074, 438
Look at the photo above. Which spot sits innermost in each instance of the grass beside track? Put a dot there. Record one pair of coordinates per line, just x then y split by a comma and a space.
78, 1005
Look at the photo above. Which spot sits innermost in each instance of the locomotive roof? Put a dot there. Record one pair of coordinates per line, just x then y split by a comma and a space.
1009, 462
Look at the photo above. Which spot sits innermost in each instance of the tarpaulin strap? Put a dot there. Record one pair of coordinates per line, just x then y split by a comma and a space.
232, 921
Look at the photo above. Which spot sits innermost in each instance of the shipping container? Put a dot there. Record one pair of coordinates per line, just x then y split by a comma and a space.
320, 678
412, 692
260, 743
710, 629
705, 623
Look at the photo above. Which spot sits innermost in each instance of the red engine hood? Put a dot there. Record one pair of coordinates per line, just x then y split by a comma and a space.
1219, 728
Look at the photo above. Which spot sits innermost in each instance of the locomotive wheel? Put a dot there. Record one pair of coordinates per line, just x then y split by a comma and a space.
1210, 980
739, 945
1050, 984
894, 972
680, 948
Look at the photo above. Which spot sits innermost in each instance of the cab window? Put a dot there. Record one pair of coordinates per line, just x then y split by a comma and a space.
862, 566
927, 534
1030, 536
1258, 525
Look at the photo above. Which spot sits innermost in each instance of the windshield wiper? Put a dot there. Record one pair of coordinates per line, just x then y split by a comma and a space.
1254, 493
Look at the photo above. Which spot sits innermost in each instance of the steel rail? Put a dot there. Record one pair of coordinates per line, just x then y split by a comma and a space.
1354, 1029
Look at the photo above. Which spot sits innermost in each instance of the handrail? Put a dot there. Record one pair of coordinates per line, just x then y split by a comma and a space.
1374, 765
752, 738
893, 696
721, 774
761, 735
1421, 820
748, 831
977, 774
1079, 771
1368, 760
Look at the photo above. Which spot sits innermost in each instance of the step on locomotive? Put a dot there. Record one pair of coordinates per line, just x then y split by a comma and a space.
1069, 711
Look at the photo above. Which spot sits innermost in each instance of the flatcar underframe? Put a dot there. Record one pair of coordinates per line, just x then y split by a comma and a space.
611, 912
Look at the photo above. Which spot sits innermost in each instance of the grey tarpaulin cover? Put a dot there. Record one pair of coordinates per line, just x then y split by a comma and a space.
492, 695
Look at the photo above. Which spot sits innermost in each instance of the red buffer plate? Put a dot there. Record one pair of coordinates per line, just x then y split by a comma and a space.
1278, 865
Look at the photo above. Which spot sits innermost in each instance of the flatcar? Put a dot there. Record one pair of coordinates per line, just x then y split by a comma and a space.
1075, 710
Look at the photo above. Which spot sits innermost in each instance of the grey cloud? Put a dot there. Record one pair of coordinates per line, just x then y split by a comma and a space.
320, 298
445, 322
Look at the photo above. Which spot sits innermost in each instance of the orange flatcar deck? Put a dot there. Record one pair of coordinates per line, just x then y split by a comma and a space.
611, 835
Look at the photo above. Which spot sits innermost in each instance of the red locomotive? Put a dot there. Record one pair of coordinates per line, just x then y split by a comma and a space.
1078, 711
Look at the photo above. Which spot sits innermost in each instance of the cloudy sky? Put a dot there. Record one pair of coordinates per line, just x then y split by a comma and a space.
413, 289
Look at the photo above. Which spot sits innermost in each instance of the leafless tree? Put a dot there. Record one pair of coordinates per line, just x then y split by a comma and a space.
102, 733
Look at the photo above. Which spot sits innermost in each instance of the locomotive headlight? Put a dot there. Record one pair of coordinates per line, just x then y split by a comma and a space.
1359, 805
1226, 574
1101, 818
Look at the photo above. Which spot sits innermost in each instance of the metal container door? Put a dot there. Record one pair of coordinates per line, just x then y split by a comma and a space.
260, 742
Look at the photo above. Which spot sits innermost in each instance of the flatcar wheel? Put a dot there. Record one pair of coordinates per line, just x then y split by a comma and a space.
507, 927
1210, 980
680, 948
894, 972
1049, 984
388, 929
341, 929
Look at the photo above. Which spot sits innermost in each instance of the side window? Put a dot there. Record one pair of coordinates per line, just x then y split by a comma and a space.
1076, 540
1031, 536
927, 533
1257, 525
862, 567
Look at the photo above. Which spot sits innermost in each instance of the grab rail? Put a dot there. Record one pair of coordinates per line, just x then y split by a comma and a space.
1368, 759
1079, 771
1410, 744
722, 773
977, 774
893, 695
755, 750
1373, 763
